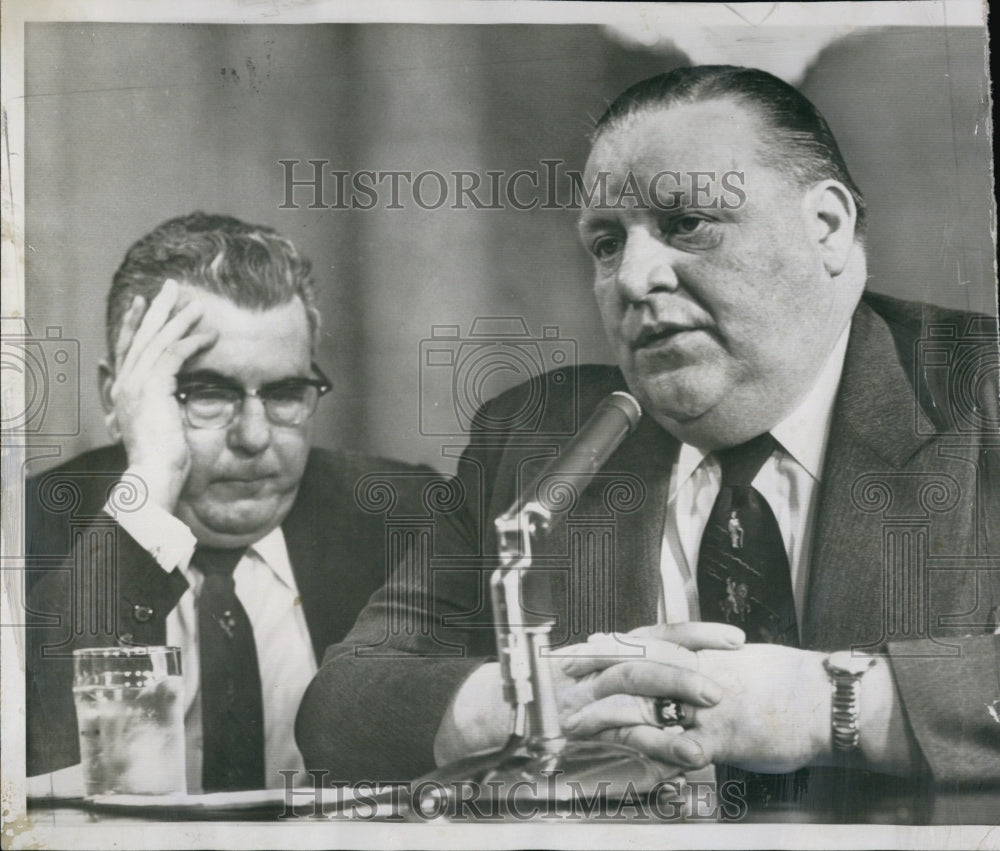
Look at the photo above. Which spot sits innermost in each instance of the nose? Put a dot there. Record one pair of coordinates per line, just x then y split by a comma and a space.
250, 432
647, 265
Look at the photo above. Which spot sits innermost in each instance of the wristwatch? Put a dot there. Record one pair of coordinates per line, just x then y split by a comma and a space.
846, 670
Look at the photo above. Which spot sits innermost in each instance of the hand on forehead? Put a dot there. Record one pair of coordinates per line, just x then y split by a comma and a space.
257, 344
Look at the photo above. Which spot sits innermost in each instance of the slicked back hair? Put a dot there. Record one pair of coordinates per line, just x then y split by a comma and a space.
796, 139
250, 265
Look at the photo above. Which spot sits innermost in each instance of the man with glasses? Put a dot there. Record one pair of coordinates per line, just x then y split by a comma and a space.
219, 529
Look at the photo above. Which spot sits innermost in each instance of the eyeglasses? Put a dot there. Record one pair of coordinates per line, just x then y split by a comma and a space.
215, 404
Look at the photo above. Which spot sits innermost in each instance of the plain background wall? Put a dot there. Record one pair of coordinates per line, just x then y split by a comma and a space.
128, 125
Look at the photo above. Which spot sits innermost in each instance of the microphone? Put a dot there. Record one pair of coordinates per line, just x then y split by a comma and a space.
614, 419
537, 746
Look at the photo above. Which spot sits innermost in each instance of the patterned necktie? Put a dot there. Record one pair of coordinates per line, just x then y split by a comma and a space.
744, 580
232, 711
743, 575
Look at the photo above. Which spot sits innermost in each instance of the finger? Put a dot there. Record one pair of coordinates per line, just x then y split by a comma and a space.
631, 737
651, 679
619, 710
153, 321
177, 353
665, 746
695, 635
603, 651
179, 326
126, 333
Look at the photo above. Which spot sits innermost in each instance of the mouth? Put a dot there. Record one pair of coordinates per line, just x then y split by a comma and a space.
243, 481
652, 336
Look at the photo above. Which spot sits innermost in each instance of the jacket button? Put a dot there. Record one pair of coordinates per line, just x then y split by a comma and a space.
142, 613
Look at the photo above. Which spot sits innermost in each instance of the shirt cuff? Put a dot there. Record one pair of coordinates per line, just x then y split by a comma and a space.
158, 532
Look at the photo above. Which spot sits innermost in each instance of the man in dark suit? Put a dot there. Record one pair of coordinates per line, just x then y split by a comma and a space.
209, 392
729, 250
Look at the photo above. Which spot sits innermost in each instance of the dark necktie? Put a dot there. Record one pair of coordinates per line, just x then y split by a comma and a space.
232, 712
743, 575
744, 580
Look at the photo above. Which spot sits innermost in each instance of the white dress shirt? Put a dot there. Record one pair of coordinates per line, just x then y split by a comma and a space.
788, 481
266, 587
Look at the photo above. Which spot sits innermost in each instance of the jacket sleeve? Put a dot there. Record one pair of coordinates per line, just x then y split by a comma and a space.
374, 707
952, 702
952, 705
68, 607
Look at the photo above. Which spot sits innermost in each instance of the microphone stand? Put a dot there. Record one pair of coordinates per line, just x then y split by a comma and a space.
538, 763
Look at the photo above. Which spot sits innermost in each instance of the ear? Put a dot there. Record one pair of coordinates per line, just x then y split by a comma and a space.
105, 381
832, 214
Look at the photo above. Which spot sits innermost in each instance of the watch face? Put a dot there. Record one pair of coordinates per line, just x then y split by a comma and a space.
845, 662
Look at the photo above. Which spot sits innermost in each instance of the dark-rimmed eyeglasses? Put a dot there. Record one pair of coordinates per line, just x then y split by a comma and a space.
215, 404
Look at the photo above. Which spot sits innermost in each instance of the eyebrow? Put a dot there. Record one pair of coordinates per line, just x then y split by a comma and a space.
205, 376
585, 225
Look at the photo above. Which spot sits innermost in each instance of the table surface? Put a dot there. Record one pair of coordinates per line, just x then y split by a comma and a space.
946, 808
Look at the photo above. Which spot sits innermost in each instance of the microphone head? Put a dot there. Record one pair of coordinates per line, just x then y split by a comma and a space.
628, 405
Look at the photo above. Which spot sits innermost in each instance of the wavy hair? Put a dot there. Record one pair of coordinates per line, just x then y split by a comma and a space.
797, 140
251, 265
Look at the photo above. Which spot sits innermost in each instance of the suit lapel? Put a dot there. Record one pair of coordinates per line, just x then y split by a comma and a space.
648, 455
615, 588
313, 538
596, 586
877, 428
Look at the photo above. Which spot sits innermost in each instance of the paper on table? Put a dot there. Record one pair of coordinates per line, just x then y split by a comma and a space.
67, 783
64, 783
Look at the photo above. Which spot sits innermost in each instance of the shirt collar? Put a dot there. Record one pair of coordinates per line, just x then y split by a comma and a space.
803, 434
271, 549
688, 460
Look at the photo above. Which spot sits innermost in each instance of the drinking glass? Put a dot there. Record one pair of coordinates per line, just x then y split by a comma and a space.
130, 715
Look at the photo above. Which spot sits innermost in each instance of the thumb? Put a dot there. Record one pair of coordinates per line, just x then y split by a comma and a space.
691, 741
695, 635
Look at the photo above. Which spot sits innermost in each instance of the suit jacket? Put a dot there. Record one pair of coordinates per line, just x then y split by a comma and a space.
89, 584
903, 558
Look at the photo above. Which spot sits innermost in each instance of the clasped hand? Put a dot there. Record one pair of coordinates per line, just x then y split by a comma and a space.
762, 707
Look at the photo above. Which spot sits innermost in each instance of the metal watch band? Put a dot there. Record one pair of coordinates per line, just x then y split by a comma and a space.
845, 678
845, 711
